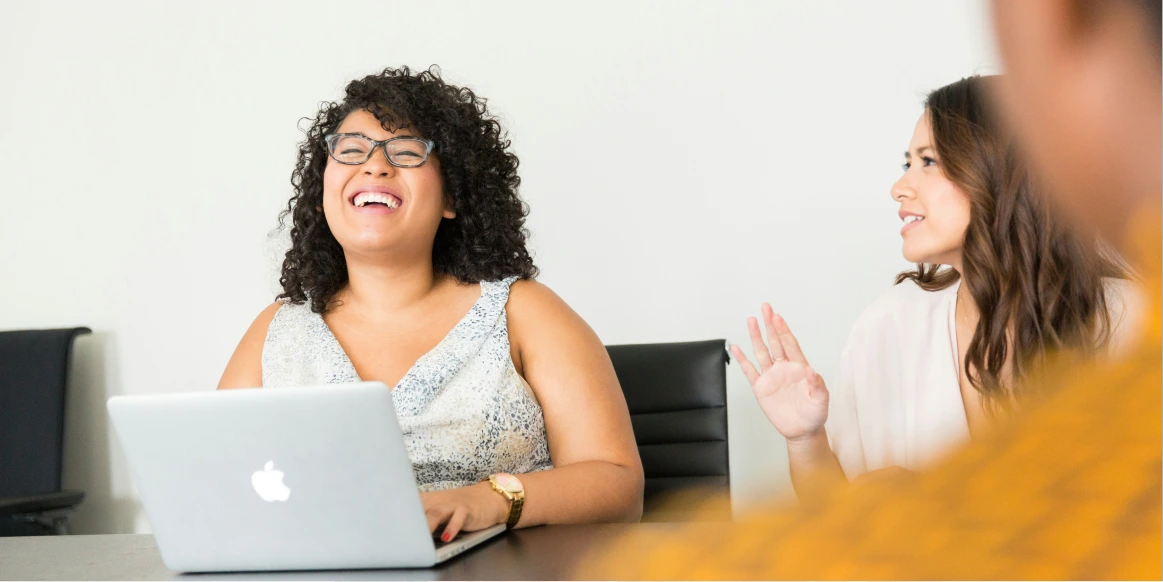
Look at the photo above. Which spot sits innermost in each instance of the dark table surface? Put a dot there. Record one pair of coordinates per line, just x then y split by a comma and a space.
537, 553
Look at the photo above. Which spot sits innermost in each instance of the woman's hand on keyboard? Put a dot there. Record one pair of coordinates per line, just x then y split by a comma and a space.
471, 508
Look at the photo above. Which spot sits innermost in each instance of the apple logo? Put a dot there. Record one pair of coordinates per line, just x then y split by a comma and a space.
268, 483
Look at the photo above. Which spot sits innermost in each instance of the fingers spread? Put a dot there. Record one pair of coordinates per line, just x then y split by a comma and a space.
745, 364
762, 356
788, 341
773, 337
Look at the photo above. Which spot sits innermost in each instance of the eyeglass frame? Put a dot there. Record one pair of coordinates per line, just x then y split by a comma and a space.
328, 139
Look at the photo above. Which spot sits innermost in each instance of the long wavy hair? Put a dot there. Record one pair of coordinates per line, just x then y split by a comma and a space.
1037, 284
487, 239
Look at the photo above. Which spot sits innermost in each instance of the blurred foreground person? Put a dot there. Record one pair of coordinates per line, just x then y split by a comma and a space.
1071, 488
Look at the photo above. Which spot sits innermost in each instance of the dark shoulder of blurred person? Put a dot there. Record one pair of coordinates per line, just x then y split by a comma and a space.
1069, 489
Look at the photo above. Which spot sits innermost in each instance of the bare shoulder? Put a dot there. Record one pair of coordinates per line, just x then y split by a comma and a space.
534, 309
263, 321
541, 322
244, 370
528, 297
268, 313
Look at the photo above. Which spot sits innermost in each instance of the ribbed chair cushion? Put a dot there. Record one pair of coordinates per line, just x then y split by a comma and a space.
677, 395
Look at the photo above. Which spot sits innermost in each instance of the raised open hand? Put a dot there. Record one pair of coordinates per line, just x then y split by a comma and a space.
790, 393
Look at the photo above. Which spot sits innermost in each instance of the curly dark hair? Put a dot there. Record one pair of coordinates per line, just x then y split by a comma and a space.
486, 240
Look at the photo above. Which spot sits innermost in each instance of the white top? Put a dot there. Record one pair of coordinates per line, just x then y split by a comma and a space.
897, 397
464, 410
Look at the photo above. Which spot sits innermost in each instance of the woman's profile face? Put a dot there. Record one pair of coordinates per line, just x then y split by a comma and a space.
375, 208
935, 212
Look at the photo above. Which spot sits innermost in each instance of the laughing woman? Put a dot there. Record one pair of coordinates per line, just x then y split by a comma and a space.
1000, 284
408, 266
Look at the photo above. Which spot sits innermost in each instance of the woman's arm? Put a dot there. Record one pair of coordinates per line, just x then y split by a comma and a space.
244, 370
815, 471
597, 475
794, 398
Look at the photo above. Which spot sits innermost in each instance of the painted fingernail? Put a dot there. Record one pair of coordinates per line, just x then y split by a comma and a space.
447, 537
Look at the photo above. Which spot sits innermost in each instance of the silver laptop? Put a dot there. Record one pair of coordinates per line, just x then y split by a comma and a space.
305, 478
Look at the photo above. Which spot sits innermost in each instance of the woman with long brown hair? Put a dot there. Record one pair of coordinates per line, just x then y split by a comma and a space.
1000, 284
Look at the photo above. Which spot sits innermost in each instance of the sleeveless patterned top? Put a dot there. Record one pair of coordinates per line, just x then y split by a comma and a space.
464, 410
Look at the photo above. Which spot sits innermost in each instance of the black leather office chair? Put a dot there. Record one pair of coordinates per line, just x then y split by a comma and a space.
34, 370
677, 395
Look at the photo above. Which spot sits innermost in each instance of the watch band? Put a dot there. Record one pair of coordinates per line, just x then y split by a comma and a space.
516, 501
515, 504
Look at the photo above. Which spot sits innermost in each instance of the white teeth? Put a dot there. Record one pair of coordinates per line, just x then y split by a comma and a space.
364, 198
913, 218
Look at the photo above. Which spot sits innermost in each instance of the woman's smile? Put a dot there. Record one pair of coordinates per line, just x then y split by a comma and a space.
374, 199
911, 220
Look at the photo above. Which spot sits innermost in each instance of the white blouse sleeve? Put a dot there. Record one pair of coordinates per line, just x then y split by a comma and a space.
843, 424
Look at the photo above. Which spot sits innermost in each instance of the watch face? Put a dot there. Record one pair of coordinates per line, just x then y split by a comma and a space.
508, 483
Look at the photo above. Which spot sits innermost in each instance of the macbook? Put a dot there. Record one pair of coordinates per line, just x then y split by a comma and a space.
279, 479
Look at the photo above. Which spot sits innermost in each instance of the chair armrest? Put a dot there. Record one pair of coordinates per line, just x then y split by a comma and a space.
42, 502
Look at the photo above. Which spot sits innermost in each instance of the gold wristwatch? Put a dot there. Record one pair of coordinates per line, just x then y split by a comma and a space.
512, 489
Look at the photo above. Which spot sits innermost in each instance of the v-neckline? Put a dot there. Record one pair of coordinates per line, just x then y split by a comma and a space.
426, 355
956, 345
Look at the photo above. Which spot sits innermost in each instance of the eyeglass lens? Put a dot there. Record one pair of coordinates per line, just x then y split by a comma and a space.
356, 149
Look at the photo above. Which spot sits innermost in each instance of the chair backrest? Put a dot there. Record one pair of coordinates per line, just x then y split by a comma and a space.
34, 370
677, 395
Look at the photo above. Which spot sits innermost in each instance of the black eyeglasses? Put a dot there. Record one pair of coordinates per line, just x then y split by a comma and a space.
354, 149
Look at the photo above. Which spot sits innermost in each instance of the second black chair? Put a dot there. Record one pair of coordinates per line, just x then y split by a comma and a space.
34, 371
677, 395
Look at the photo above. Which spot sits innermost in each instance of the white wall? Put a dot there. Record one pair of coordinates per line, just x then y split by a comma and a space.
123, 207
